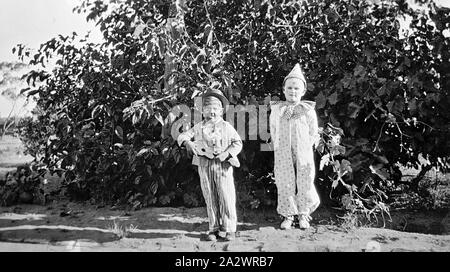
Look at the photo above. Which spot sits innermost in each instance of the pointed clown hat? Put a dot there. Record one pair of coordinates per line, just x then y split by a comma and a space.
296, 73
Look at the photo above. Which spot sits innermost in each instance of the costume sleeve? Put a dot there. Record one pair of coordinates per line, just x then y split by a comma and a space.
313, 128
186, 136
272, 120
235, 146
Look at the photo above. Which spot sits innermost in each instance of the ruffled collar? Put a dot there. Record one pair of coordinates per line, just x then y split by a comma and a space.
308, 105
211, 123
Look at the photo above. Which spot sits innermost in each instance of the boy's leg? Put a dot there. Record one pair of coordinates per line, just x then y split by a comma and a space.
286, 185
307, 197
209, 191
285, 176
227, 196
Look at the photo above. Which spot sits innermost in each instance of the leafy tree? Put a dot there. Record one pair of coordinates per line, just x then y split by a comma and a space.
10, 87
382, 97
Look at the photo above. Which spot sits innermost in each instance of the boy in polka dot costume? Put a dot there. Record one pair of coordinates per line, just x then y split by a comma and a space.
294, 133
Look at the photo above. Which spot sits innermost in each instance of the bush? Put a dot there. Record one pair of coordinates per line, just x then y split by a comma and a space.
22, 186
103, 112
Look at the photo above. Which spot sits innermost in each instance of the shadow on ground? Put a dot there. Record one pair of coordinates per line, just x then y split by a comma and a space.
165, 226
55, 235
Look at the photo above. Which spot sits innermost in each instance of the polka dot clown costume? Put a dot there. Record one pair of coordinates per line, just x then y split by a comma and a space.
294, 133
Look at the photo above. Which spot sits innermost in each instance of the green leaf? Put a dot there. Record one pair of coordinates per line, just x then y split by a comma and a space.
320, 101
135, 119
24, 90
154, 187
33, 92
208, 33
149, 49
346, 166
161, 46
164, 200
324, 161
335, 183
96, 111
321, 147
382, 173
143, 151
183, 50
159, 118
119, 132
335, 151
333, 98
138, 30
353, 110
336, 166
347, 81
359, 71
149, 170
177, 156
161, 180
381, 91
412, 106
201, 57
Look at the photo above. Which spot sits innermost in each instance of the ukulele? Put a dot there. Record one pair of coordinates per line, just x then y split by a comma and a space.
204, 150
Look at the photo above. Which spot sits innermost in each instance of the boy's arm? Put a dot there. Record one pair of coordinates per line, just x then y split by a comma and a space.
186, 136
272, 122
313, 128
235, 146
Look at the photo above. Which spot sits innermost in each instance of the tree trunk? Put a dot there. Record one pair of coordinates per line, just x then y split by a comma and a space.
415, 181
176, 17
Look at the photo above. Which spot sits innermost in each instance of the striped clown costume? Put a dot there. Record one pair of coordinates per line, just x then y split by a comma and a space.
216, 174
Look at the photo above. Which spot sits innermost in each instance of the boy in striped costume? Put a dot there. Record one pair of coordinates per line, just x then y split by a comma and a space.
215, 148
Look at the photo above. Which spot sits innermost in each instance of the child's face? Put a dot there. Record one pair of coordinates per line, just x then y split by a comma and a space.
294, 89
212, 112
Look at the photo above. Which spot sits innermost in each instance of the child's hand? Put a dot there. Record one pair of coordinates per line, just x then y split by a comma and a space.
223, 156
190, 147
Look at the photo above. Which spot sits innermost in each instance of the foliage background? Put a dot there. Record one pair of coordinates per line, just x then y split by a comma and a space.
102, 117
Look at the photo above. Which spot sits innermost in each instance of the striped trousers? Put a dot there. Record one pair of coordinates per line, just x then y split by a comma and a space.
217, 183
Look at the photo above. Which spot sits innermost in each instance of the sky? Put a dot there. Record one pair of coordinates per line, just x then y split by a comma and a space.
33, 22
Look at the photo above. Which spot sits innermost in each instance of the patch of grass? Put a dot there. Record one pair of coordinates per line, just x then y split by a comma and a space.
121, 231
349, 221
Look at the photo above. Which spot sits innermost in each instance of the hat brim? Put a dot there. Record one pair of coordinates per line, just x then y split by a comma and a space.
222, 98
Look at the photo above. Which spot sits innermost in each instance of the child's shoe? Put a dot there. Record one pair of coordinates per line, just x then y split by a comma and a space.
230, 236
287, 222
303, 221
212, 236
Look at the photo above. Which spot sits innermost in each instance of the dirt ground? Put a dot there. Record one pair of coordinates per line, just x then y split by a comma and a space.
68, 226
